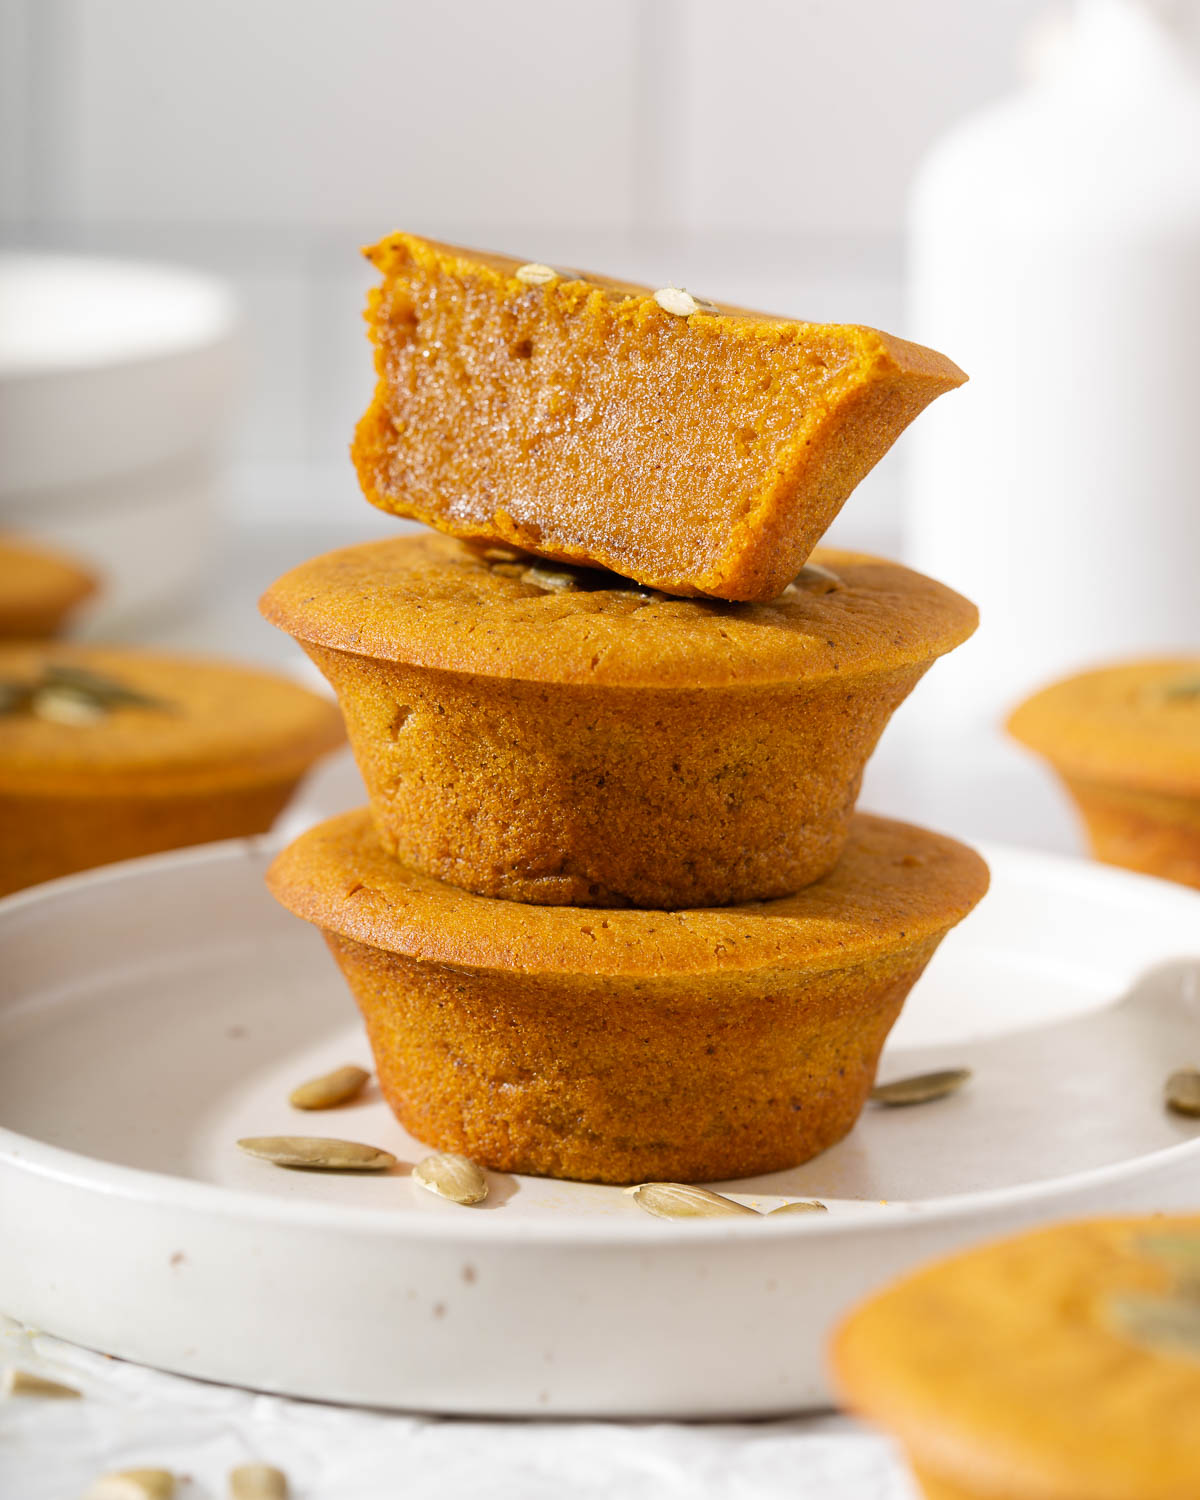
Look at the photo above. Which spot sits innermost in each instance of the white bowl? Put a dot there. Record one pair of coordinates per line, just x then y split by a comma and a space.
116, 382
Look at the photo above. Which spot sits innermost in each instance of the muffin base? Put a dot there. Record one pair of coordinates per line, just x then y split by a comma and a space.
586, 1078
1152, 832
559, 794
49, 835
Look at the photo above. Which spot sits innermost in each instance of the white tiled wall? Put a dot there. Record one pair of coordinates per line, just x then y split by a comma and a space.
754, 149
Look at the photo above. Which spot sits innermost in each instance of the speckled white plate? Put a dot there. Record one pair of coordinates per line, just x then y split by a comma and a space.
152, 1013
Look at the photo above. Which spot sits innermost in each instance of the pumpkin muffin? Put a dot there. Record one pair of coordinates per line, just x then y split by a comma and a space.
1060, 1365
38, 590
627, 1045
557, 735
696, 448
108, 753
1125, 741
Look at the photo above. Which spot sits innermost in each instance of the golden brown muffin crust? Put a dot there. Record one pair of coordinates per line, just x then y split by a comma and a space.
703, 454
38, 588
892, 879
1135, 724
1007, 1372
219, 725
432, 601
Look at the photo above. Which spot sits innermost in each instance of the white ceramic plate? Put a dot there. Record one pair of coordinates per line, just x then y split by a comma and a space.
152, 1013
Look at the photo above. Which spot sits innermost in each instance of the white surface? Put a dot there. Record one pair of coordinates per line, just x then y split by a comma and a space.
188, 1003
51, 1451
1054, 247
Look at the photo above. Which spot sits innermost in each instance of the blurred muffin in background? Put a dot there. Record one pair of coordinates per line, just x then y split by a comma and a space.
1125, 741
108, 753
1062, 1364
39, 589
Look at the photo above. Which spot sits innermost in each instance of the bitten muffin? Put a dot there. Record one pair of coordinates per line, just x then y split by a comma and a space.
627, 1045
1060, 1365
557, 735
108, 753
700, 449
38, 590
1125, 741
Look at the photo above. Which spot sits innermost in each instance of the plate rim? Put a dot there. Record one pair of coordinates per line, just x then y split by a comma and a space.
28, 1155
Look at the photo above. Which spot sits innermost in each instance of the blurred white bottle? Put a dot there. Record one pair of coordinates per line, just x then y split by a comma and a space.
1055, 254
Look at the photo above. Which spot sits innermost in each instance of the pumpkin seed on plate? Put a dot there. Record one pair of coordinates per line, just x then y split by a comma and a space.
258, 1482
134, 1484
19, 1382
683, 1200
921, 1088
800, 1206
319, 1152
1181, 1092
453, 1177
333, 1088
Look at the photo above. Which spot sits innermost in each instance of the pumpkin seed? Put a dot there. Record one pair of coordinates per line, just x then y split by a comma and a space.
675, 299
318, 1152
337, 1087
547, 576
1188, 689
19, 1382
1182, 1091
453, 1177
1181, 1251
1166, 1325
921, 1088
134, 1484
683, 1200
800, 1206
65, 705
106, 690
534, 273
814, 579
258, 1482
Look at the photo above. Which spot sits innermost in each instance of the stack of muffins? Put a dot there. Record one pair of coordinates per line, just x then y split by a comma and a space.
610, 914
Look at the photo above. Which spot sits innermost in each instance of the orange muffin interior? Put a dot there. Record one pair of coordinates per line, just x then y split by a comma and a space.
577, 418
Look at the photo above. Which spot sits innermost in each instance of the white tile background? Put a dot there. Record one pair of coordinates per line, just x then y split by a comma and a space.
754, 149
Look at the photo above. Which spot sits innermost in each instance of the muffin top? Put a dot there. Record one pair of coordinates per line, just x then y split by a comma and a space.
108, 720
893, 887
37, 588
432, 601
1063, 1364
1136, 724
